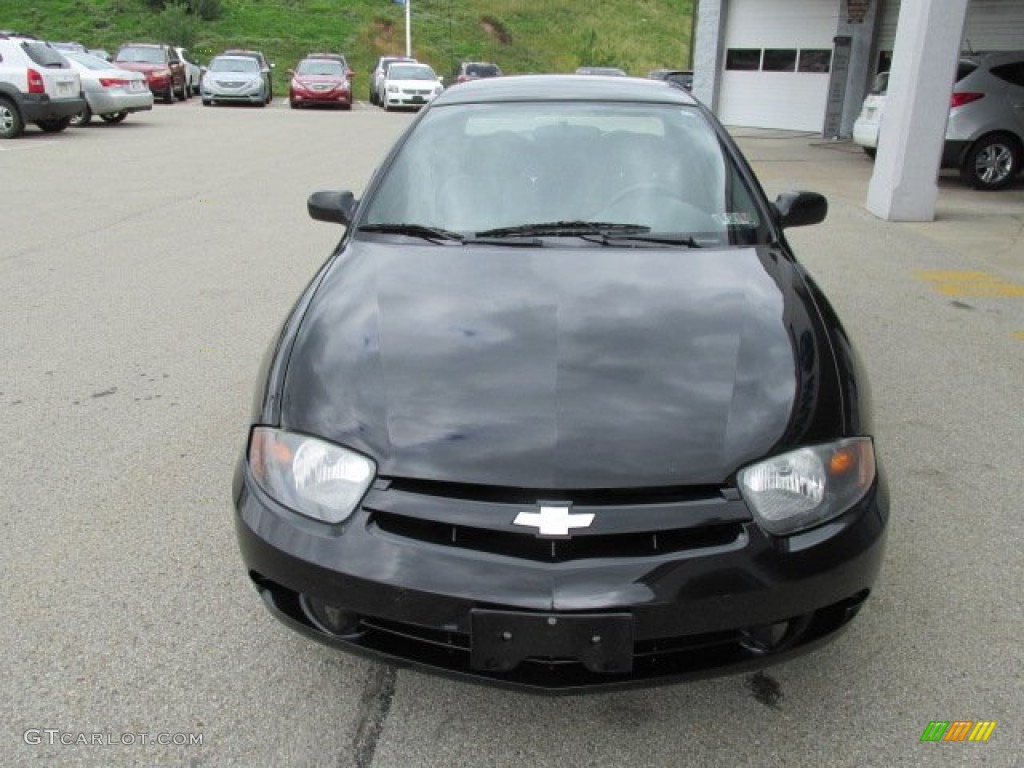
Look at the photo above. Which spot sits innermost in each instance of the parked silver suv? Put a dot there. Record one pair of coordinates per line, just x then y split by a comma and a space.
985, 130
37, 85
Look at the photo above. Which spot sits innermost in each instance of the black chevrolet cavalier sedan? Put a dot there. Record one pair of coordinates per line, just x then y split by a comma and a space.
563, 410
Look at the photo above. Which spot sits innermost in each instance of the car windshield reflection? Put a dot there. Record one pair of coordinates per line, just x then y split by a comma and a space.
516, 169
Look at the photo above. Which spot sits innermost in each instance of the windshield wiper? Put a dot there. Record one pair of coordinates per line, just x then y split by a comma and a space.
433, 234
566, 229
686, 241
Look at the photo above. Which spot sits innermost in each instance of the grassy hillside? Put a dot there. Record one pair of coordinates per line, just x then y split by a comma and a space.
520, 35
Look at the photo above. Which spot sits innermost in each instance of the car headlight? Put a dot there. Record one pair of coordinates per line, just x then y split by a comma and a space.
313, 477
809, 486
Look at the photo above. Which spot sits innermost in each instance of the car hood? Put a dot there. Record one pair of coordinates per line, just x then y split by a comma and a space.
559, 367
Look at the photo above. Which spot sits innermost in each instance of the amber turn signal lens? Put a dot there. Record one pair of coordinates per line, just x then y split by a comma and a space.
842, 461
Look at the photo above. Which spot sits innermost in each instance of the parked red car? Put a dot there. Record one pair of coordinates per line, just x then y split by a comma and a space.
163, 68
321, 79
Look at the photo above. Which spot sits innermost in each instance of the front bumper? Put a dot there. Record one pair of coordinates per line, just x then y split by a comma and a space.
252, 94
402, 100
409, 579
308, 97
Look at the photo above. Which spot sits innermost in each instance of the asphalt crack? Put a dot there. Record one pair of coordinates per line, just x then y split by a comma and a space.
374, 706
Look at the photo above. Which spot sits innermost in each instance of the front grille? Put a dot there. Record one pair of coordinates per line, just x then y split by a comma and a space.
528, 546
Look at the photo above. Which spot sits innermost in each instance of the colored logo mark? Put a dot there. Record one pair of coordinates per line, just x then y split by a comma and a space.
958, 730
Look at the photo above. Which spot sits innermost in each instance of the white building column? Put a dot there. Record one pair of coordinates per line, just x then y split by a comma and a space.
904, 185
709, 51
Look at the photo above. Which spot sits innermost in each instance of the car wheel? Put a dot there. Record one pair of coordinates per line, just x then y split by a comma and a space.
11, 124
992, 162
870, 152
168, 97
54, 126
114, 117
292, 104
82, 118
183, 94
206, 102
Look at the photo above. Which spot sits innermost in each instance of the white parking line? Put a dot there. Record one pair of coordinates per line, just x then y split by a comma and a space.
4, 148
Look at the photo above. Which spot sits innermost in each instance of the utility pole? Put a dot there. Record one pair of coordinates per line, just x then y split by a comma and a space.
408, 28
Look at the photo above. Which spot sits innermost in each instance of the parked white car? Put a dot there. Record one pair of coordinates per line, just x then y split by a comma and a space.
193, 72
111, 94
410, 85
865, 129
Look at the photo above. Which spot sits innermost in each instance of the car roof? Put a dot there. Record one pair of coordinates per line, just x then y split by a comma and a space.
564, 88
993, 58
419, 64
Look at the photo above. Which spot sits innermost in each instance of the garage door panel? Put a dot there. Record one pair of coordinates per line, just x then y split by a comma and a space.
789, 101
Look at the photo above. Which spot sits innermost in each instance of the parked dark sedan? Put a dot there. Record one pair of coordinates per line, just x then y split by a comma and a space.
557, 423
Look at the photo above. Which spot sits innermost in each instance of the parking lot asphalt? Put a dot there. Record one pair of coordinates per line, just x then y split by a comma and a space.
145, 268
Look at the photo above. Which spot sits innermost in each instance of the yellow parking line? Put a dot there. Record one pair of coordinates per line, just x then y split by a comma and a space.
978, 284
1018, 335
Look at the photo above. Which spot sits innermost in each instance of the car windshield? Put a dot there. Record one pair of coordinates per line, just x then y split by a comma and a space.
87, 60
141, 55
410, 72
482, 70
320, 67
234, 64
569, 168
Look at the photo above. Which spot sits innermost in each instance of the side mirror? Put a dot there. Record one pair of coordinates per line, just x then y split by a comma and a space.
349, 74
272, 65
798, 209
441, 79
332, 205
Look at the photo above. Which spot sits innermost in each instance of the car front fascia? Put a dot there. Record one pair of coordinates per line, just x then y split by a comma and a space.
696, 604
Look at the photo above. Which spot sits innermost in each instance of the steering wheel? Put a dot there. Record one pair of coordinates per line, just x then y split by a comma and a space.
645, 187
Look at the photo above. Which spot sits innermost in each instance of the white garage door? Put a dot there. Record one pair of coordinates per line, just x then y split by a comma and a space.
778, 55
992, 25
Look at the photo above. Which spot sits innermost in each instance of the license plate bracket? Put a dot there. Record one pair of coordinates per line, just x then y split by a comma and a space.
500, 640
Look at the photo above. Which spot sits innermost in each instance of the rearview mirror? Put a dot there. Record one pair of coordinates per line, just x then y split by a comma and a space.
336, 206
799, 209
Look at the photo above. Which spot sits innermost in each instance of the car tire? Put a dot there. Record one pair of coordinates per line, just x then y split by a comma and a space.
870, 151
82, 118
54, 126
992, 162
168, 98
207, 102
183, 94
292, 104
114, 117
11, 124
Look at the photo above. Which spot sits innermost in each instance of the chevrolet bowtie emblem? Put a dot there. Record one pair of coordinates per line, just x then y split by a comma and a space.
553, 519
